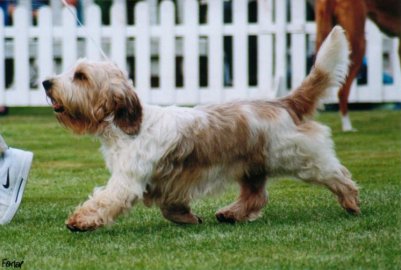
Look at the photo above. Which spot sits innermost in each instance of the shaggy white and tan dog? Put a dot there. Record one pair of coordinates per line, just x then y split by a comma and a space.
168, 156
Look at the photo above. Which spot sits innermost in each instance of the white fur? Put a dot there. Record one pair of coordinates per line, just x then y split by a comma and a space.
333, 56
346, 123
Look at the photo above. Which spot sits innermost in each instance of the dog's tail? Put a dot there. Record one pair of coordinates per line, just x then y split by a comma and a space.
330, 70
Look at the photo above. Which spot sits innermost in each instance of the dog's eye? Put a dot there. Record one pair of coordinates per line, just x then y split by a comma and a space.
80, 76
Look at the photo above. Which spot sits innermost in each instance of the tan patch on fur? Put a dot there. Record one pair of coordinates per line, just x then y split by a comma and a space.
303, 101
225, 140
264, 109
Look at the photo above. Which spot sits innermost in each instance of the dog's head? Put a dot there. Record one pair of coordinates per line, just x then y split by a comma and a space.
94, 95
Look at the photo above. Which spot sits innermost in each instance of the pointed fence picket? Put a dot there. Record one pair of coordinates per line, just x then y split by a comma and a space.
69, 39
45, 49
265, 50
167, 54
215, 53
21, 67
142, 51
118, 36
191, 54
93, 43
282, 34
240, 49
298, 42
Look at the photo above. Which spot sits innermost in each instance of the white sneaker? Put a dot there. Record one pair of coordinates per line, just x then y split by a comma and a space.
14, 169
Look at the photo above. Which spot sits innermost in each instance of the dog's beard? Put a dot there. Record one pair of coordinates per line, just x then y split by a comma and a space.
78, 123
57, 107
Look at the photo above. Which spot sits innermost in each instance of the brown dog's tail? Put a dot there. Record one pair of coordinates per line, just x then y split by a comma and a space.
330, 70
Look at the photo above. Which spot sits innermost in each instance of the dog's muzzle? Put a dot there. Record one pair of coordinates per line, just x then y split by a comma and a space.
47, 85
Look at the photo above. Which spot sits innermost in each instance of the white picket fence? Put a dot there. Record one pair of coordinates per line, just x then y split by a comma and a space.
275, 55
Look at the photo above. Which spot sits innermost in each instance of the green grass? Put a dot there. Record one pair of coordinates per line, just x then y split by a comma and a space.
303, 227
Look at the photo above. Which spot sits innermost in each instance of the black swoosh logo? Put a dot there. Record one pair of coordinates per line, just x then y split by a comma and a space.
8, 179
19, 188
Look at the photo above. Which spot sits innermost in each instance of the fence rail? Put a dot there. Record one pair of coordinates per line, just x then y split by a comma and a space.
283, 46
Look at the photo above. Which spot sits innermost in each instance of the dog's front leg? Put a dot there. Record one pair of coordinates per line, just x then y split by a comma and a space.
105, 204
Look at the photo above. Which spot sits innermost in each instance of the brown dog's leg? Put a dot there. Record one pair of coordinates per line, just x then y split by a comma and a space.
324, 10
252, 199
351, 15
180, 214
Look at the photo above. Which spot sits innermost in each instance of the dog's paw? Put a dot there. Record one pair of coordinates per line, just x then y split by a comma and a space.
82, 222
200, 220
226, 217
234, 214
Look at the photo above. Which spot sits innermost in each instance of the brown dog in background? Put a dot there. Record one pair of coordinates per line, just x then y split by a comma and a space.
351, 15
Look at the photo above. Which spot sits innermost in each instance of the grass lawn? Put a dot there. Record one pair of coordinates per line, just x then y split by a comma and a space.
303, 227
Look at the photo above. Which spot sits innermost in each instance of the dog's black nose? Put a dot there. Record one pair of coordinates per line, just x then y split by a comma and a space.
47, 84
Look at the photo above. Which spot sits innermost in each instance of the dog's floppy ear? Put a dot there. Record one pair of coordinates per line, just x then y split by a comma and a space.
127, 110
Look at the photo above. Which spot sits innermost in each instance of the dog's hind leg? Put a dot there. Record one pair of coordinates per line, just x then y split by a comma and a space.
180, 214
252, 198
345, 189
315, 162
340, 183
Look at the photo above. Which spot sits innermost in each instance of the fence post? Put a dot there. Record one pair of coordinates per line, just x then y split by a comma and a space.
265, 49
142, 51
240, 49
57, 8
21, 58
2, 60
298, 42
69, 38
45, 53
216, 52
118, 36
93, 24
396, 63
281, 45
45, 43
191, 52
167, 53
393, 92
375, 65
